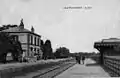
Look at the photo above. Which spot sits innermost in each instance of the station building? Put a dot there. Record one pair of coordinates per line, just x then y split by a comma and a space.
108, 47
30, 41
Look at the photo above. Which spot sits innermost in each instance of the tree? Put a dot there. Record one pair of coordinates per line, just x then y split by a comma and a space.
42, 45
4, 45
42, 42
47, 50
17, 50
42, 48
62, 52
7, 27
9, 44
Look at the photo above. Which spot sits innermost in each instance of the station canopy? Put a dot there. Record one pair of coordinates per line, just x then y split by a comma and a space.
108, 42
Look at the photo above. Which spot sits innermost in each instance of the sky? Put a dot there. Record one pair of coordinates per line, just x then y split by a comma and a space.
76, 29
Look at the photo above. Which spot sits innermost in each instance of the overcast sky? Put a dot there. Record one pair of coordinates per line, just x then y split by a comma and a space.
77, 29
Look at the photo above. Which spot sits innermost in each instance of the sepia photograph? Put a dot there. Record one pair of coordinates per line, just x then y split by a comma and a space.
59, 38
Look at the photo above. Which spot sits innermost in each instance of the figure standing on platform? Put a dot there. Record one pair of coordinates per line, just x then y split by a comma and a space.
78, 58
83, 59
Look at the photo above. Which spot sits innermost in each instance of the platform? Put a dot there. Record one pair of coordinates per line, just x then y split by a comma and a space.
88, 70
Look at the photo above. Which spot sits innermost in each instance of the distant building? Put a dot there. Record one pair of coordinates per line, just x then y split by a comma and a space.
30, 41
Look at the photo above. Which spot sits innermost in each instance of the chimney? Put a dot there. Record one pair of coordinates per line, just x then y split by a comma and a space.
21, 24
32, 29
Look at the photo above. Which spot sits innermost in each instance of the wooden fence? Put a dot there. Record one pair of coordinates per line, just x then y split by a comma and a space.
113, 63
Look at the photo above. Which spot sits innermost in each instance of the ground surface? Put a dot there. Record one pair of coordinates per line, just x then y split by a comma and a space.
9, 65
48, 72
90, 69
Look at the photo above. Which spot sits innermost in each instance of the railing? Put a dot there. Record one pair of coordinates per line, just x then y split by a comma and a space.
113, 63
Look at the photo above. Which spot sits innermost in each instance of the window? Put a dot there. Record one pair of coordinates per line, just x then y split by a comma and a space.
9, 54
31, 49
35, 40
31, 39
35, 50
38, 41
15, 37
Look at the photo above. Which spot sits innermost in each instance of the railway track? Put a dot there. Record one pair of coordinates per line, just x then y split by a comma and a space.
54, 71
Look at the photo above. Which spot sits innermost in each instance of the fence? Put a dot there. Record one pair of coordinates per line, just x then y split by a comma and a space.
113, 63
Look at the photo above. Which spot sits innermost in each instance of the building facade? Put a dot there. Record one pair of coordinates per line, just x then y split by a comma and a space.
30, 41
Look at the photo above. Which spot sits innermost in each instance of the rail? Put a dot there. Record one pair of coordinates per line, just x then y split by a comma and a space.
52, 72
13, 70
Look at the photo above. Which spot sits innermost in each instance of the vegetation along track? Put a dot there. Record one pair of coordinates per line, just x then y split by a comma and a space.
54, 71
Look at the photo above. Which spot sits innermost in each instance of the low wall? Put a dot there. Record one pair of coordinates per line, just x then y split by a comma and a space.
9, 72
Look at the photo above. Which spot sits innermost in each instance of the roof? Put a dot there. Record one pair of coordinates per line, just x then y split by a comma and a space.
108, 42
111, 40
18, 30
